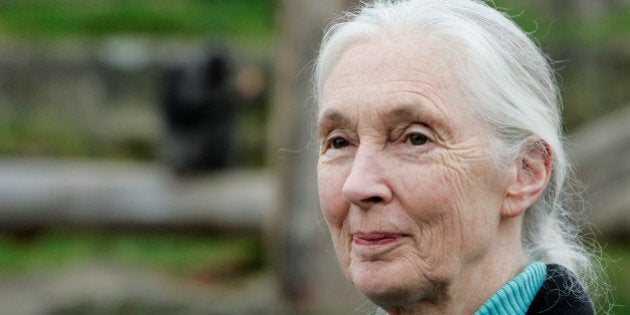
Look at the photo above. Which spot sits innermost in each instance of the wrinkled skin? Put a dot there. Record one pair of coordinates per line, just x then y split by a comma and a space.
407, 181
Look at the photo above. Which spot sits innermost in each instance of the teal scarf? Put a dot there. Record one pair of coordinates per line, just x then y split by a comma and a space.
516, 296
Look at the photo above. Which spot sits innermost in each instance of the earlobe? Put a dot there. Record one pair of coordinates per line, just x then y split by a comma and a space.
532, 171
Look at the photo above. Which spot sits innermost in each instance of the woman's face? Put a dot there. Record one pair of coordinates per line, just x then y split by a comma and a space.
407, 180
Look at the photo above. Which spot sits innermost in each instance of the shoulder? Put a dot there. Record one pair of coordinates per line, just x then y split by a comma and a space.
561, 293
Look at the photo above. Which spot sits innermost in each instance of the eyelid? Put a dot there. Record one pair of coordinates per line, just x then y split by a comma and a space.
332, 134
421, 128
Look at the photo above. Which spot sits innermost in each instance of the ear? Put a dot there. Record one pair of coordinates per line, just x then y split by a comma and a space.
532, 172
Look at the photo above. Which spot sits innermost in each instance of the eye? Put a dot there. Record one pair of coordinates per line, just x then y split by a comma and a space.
338, 143
417, 139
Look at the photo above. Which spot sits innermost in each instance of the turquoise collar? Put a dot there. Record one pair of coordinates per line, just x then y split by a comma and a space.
516, 296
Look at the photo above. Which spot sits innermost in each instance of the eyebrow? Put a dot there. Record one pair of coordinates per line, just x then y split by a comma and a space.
331, 119
401, 113
392, 116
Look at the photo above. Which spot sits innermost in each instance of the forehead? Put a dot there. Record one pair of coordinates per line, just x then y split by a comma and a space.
393, 57
415, 72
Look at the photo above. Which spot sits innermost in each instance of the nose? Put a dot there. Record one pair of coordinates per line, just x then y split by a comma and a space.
366, 184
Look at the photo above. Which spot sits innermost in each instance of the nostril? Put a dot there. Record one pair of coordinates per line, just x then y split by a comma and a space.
374, 199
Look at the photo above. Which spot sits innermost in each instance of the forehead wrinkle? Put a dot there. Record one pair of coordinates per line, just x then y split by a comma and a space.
341, 79
433, 103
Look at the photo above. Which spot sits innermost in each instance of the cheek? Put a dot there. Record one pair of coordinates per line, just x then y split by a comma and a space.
334, 207
470, 199
448, 203
335, 210
437, 208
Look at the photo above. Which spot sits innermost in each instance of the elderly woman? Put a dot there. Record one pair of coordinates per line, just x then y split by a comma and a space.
441, 171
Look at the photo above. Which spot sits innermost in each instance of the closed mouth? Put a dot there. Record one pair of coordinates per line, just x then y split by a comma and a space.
376, 238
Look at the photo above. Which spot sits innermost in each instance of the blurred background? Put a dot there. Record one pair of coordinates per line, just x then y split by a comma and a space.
157, 157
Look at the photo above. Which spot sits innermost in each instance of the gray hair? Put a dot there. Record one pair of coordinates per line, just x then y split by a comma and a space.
511, 87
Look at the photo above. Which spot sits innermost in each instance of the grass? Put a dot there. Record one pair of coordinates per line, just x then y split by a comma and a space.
27, 131
200, 256
94, 18
29, 135
248, 19
178, 254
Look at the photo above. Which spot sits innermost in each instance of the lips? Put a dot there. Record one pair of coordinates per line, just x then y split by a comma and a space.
375, 238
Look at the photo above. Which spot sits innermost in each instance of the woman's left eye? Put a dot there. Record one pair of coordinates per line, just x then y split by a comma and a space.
417, 139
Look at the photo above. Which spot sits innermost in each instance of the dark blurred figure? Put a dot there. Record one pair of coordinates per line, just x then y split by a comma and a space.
199, 104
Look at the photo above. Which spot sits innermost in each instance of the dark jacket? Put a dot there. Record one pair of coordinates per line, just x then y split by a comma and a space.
561, 293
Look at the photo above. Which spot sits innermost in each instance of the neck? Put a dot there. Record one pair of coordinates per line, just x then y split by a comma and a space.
477, 282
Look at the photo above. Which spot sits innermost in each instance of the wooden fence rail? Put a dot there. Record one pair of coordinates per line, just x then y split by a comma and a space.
43, 193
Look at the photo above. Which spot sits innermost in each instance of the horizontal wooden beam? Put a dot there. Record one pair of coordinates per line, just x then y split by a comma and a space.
48, 193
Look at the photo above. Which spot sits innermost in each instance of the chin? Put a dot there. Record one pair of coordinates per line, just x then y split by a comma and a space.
388, 284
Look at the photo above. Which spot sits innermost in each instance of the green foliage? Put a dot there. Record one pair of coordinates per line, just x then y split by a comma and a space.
240, 18
618, 271
552, 26
180, 254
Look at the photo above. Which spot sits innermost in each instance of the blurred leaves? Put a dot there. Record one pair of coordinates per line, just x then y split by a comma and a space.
552, 24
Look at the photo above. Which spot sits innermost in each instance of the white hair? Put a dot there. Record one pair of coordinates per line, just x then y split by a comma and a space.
509, 84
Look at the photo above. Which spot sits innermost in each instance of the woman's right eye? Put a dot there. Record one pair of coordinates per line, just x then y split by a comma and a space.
339, 143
